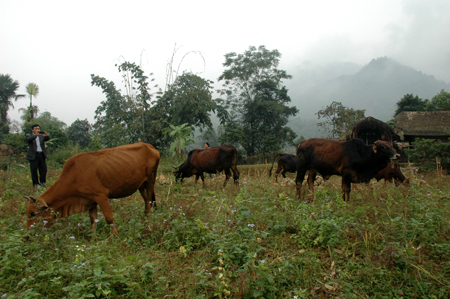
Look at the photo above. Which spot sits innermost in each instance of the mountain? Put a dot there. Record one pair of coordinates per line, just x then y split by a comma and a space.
376, 87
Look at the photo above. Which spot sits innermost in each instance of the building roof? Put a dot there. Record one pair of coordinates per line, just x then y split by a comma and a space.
423, 123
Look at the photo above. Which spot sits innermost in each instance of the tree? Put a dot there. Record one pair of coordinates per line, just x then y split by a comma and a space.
254, 112
8, 89
410, 103
338, 119
78, 132
182, 135
188, 100
32, 90
126, 118
440, 102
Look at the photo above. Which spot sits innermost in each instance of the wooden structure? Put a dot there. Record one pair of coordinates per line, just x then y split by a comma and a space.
410, 125
370, 130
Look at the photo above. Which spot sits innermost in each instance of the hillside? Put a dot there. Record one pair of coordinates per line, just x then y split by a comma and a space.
377, 87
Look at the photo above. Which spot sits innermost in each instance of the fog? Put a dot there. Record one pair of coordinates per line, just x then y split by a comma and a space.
59, 44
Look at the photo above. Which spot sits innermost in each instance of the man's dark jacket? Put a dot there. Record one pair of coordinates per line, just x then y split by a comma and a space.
32, 148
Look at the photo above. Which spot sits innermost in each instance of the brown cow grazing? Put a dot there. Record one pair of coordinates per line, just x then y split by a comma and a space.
354, 161
392, 172
211, 160
90, 179
286, 163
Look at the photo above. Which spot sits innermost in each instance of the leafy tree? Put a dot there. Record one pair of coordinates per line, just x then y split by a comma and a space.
8, 89
79, 132
183, 136
338, 119
28, 113
410, 103
188, 100
426, 151
32, 90
441, 101
126, 118
254, 112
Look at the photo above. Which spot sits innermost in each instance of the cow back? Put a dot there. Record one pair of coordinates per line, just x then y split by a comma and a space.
117, 172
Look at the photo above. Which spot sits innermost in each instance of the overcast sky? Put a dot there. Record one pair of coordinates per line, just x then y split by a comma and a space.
58, 44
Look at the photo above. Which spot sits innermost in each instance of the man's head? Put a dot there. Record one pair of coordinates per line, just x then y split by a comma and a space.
35, 129
206, 145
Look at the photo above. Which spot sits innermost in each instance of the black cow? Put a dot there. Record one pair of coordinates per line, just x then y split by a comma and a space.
286, 163
211, 160
354, 161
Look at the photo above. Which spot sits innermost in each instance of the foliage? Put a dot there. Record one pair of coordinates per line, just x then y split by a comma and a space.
425, 152
32, 90
17, 141
254, 112
8, 89
183, 136
28, 113
439, 102
79, 131
188, 100
255, 241
124, 118
338, 119
410, 103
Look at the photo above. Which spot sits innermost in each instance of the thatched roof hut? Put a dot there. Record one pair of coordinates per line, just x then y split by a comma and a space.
424, 124
370, 130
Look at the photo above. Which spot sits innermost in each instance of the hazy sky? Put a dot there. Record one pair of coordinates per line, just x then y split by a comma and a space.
58, 44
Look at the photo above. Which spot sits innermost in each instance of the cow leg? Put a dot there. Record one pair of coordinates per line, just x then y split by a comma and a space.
227, 176
202, 176
346, 188
311, 178
277, 173
147, 191
299, 181
236, 176
93, 216
103, 202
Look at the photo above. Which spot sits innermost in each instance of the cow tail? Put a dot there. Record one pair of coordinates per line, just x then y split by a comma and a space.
274, 158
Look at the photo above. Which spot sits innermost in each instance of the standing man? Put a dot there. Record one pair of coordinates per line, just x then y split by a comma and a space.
207, 146
37, 154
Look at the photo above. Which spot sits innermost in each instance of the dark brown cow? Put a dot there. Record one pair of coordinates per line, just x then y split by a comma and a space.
354, 161
286, 163
90, 179
211, 160
392, 172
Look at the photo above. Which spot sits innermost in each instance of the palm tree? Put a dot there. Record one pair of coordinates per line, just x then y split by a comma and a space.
8, 89
32, 90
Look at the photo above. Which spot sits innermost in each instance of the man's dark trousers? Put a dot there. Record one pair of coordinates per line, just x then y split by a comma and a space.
38, 162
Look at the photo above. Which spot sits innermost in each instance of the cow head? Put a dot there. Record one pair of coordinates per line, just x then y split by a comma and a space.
37, 210
383, 148
182, 172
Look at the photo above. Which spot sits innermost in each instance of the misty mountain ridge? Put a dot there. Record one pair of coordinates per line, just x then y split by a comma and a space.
376, 87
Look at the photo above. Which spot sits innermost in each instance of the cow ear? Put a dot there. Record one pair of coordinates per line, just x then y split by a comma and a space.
375, 149
42, 203
30, 197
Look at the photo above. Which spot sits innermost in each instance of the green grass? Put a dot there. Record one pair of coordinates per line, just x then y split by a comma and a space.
256, 241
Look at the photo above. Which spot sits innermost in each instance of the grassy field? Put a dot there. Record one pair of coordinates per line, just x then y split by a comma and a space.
255, 241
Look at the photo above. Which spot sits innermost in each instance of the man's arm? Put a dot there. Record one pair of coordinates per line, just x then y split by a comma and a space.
30, 137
